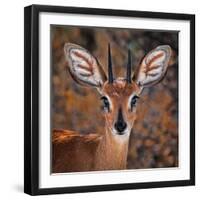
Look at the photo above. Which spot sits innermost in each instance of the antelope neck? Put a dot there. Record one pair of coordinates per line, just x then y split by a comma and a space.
113, 150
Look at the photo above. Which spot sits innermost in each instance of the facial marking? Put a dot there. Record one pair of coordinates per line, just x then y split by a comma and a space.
120, 117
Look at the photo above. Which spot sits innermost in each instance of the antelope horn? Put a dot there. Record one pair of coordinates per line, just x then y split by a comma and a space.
128, 74
110, 73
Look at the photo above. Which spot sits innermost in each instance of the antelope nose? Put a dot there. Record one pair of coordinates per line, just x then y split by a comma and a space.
120, 126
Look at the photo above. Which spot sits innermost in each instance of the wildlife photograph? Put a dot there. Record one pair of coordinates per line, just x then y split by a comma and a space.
114, 99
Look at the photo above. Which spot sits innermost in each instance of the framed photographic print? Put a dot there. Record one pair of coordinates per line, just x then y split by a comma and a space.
109, 100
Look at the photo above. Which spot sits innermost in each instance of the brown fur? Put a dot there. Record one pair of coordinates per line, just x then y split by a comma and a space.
73, 152
119, 92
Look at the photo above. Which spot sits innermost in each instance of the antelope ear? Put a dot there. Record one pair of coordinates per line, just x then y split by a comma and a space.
153, 67
83, 67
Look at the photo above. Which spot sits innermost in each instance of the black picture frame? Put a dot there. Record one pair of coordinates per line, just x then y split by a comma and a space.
31, 98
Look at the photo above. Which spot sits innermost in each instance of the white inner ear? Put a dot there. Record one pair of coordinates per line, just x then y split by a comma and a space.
155, 63
84, 67
153, 67
80, 66
154, 54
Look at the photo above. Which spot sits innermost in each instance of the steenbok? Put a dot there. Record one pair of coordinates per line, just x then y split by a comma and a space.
108, 150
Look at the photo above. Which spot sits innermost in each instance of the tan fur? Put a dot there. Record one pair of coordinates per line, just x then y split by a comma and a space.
73, 152
119, 92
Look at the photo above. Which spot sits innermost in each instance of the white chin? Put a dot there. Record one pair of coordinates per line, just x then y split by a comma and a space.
125, 132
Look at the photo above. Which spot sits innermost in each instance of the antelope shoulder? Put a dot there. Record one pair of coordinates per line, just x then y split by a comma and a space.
73, 152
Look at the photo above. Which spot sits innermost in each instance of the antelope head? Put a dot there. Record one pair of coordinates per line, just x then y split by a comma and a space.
119, 96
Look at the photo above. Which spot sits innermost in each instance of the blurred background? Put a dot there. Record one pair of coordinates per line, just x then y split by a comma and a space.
154, 138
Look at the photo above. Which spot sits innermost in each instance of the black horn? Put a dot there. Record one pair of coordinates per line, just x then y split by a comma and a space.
110, 73
128, 74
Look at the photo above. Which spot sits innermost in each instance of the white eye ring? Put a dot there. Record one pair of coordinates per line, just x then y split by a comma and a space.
109, 107
132, 101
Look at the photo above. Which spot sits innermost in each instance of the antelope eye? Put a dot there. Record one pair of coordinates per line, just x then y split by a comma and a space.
106, 105
134, 101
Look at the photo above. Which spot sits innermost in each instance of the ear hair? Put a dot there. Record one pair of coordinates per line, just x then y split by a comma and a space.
83, 67
153, 67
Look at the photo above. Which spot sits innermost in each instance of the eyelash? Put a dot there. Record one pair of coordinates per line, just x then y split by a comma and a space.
106, 105
134, 101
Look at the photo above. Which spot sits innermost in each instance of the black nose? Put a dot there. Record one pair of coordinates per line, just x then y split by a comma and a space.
120, 126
